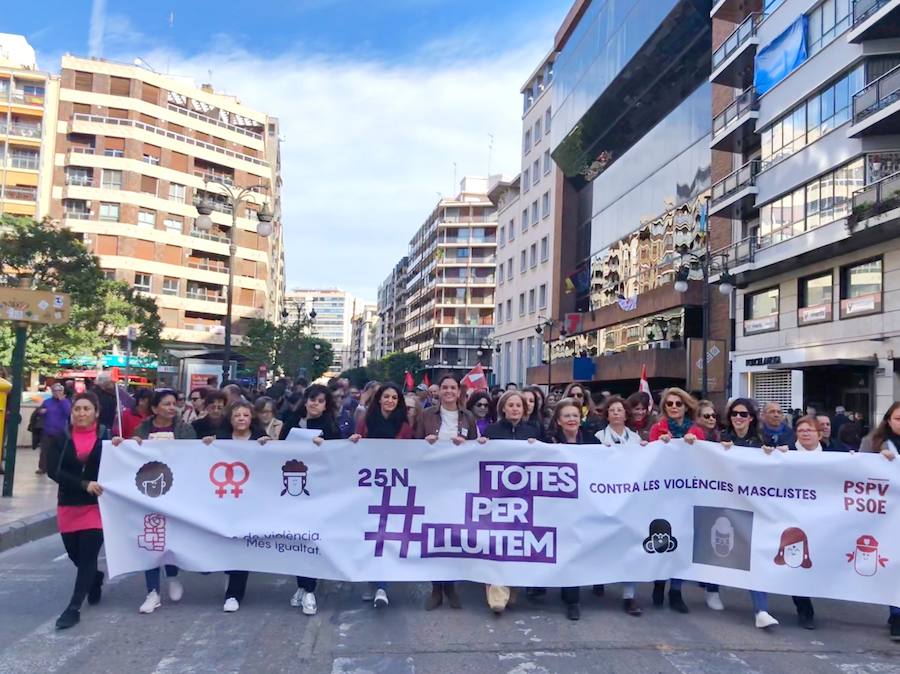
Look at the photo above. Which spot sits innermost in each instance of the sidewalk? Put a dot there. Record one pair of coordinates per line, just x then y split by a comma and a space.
31, 512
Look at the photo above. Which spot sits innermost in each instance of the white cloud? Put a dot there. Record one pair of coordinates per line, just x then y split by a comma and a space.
368, 145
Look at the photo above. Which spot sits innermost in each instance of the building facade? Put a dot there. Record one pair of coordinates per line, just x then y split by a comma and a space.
363, 333
814, 149
330, 314
391, 312
525, 279
135, 151
449, 290
630, 132
28, 108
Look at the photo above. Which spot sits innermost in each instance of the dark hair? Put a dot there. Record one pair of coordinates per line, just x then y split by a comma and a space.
212, 395
753, 428
398, 416
161, 393
612, 400
537, 414
641, 398
446, 377
90, 396
316, 390
482, 395
261, 403
143, 394
200, 390
883, 431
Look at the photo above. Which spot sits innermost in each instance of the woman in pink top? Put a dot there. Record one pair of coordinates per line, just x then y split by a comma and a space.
73, 462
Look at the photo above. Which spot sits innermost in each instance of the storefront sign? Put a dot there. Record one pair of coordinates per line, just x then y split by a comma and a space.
716, 357
756, 325
759, 362
820, 313
859, 306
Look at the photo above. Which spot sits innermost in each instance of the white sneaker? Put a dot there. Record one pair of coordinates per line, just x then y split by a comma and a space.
714, 601
764, 620
368, 594
309, 603
231, 605
297, 599
176, 589
151, 603
381, 600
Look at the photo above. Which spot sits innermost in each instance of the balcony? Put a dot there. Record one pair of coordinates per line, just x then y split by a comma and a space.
22, 130
208, 237
735, 195
77, 215
732, 62
733, 11
204, 295
208, 177
29, 163
27, 99
876, 108
873, 201
212, 120
735, 127
18, 193
874, 20
80, 181
209, 266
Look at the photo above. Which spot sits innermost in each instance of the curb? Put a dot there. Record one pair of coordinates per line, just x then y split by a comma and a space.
27, 530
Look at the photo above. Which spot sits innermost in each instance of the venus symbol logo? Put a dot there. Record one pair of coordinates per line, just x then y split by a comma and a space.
229, 475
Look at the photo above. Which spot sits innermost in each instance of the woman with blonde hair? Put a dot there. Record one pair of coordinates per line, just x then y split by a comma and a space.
676, 419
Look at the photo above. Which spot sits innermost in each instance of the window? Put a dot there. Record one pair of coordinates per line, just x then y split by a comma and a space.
509, 311
548, 162
521, 304
536, 172
501, 274
547, 118
149, 185
150, 159
509, 269
861, 286
545, 249
462, 252
526, 143
147, 218
502, 235
170, 286
826, 22
112, 180
177, 193
84, 81
526, 180
545, 205
814, 299
174, 224
529, 350
533, 255
531, 302
538, 133
525, 220
109, 212
761, 311
542, 296
523, 261
535, 213
142, 282
76, 208
500, 312
512, 230
109, 274
119, 86
79, 175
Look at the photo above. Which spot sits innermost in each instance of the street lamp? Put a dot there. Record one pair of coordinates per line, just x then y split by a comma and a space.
550, 323
236, 196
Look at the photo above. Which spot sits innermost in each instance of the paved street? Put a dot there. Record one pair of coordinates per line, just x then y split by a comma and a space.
267, 635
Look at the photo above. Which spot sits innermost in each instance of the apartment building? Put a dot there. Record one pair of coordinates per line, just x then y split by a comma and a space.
812, 196
135, 151
391, 311
630, 131
526, 206
28, 106
449, 294
330, 312
363, 333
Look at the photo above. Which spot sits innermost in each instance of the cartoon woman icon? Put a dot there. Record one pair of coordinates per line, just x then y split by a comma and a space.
794, 549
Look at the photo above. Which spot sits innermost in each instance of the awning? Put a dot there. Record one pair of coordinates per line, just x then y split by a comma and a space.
828, 362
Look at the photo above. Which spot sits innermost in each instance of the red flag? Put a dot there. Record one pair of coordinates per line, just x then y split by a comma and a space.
475, 380
645, 385
426, 380
408, 383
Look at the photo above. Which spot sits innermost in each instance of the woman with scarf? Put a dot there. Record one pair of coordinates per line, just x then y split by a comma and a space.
617, 431
640, 416
386, 419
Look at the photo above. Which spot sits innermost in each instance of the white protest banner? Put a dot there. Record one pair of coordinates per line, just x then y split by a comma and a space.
507, 512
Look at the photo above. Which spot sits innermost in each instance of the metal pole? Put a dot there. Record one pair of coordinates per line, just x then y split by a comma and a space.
550, 357
704, 386
14, 408
232, 253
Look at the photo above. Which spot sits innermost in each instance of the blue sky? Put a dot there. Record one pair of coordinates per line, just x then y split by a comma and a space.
377, 100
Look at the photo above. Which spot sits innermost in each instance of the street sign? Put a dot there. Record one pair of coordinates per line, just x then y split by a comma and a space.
34, 306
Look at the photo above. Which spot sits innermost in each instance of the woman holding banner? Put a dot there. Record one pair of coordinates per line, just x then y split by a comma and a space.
317, 413
591, 419
386, 419
73, 462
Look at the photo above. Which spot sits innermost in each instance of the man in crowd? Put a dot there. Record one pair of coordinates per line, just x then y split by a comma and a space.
55, 411
840, 418
113, 399
775, 431
829, 442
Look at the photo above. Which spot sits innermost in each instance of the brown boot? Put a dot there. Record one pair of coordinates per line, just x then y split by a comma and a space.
452, 597
435, 599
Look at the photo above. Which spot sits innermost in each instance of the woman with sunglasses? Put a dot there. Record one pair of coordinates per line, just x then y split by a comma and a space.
742, 430
708, 420
194, 410
591, 420
480, 406
678, 410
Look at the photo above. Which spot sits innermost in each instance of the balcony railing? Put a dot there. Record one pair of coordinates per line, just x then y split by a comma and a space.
208, 266
28, 99
876, 198
82, 150
863, 9
208, 237
205, 296
735, 181
20, 193
877, 95
116, 121
208, 177
30, 163
216, 122
77, 215
737, 39
23, 130
80, 181
746, 102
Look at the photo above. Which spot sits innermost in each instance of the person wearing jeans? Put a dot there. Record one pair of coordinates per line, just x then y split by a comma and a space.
152, 578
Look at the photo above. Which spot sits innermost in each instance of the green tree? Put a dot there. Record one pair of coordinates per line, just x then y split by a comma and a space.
394, 366
358, 376
56, 259
287, 348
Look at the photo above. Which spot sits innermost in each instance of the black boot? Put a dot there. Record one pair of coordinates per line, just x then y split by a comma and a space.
676, 603
68, 618
659, 593
452, 597
96, 591
895, 627
631, 608
598, 590
573, 611
436, 598
806, 621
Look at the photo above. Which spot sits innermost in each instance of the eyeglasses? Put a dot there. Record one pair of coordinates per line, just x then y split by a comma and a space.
674, 403
742, 415
710, 416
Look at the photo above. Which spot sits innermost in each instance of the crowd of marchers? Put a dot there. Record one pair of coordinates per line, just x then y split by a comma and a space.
444, 411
